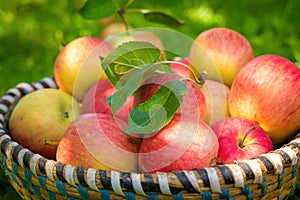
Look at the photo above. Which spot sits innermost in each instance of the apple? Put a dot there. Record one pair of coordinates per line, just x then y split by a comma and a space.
40, 119
95, 100
193, 102
114, 28
106, 21
183, 144
267, 90
216, 96
221, 52
96, 140
240, 139
136, 35
78, 65
181, 69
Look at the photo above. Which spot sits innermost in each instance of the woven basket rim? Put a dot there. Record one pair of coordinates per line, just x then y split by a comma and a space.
273, 163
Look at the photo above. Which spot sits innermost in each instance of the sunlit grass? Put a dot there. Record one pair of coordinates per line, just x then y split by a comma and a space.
205, 15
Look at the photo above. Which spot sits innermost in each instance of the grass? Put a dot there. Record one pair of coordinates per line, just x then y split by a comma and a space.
32, 33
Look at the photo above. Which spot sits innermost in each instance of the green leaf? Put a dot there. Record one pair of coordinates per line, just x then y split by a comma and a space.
158, 111
96, 9
297, 57
164, 69
161, 17
131, 85
127, 58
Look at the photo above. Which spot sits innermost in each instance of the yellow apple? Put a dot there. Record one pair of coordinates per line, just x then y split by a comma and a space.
40, 119
216, 96
113, 28
221, 52
136, 35
78, 66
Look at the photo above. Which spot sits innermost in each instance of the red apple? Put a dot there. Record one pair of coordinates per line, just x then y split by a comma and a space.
183, 144
96, 140
181, 69
78, 65
95, 100
267, 90
221, 52
193, 101
240, 139
216, 96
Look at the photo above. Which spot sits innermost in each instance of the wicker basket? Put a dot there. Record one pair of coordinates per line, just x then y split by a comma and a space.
270, 176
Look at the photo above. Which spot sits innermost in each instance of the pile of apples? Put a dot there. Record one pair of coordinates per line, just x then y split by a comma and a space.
244, 107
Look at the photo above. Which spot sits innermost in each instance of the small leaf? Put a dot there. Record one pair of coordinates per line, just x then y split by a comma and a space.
158, 111
95, 9
164, 69
297, 57
161, 17
130, 86
127, 58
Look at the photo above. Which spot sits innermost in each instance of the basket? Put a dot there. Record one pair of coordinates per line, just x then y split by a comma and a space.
269, 176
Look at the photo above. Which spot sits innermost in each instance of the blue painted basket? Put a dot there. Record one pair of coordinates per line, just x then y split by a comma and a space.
269, 176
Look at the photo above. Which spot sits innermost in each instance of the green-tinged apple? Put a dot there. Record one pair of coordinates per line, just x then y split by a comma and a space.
40, 119
106, 21
183, 144
267, 90
193, 102
240, 139
96, 140
221, 52
78, 65
183, 67
94, 100
216, 96
136, 35
114, 28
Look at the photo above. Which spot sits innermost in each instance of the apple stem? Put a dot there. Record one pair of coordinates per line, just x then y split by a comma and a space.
133, 141
47, 142
64, 44
241, 145
202, 78
121, 13
65, 114
200, 81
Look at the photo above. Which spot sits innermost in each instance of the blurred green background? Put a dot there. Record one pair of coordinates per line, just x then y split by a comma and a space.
32, 33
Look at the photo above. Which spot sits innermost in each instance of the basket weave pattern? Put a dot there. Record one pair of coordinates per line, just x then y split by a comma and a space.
269, 176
